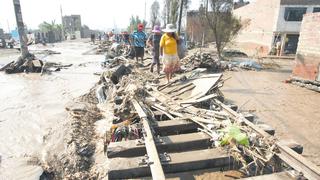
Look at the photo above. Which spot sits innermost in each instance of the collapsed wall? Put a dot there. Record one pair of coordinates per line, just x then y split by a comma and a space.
308, 54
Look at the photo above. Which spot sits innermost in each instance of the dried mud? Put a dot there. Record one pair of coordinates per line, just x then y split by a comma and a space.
77, 161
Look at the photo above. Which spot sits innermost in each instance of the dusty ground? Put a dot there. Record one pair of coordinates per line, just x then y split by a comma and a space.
293, 111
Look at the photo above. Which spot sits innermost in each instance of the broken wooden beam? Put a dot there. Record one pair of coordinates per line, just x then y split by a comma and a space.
169, 144
205, 98
217, 158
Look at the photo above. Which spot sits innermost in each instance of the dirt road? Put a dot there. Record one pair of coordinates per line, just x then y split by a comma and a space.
293, 111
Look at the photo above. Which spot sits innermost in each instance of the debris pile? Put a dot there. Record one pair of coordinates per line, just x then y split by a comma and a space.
233, 53
312, 85
28, 64
201, 60
247, 64
32, 64
103, 47
180, 99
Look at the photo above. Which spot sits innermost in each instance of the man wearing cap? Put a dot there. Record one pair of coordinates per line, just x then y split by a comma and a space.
169, 51
139, 38
154, 42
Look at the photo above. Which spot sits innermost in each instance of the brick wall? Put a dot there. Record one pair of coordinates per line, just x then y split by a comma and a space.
308, 53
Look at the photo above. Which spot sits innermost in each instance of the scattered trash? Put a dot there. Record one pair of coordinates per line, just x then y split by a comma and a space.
247, 64
233, 133
311, 85
201, 60
233, 53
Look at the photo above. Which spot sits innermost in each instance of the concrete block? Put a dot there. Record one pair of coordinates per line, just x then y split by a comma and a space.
169, 144
233, 107
249, 117
298, 148
173, 127
124, 168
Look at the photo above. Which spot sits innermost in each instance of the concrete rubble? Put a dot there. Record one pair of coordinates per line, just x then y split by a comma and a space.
32, 64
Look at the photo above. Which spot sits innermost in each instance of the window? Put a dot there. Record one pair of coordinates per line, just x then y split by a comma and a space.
316, 9
294, 14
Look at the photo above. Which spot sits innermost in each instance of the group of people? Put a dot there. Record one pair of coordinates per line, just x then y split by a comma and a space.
164, 46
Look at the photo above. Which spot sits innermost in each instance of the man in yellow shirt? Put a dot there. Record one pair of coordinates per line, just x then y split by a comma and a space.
168, 51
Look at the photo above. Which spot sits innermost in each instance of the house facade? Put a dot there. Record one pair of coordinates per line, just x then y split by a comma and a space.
267, 22
72, 26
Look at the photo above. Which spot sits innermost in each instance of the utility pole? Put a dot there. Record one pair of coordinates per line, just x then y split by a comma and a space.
168, 4
203, 33
145, 10
8, 26
62, 26
180, 16
20, 25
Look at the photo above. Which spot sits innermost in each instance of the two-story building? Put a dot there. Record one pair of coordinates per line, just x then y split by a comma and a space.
72, 26
270, 21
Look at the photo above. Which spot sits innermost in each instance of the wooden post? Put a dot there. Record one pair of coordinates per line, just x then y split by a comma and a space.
20, 25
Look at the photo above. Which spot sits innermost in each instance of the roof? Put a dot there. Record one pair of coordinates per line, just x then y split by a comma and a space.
300, 2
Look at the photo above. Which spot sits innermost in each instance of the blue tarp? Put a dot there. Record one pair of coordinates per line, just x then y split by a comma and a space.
15, 35
247, 64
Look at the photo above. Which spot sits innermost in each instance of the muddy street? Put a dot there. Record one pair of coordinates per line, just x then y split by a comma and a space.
291, 110
33, 108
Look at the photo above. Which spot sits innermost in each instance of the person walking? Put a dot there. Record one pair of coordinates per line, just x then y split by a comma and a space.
139, 39
93, 38
169, 51
154, 42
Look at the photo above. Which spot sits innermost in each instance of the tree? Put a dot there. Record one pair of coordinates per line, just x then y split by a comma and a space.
47, 27
223, 24
21, 28
154, 16
134, 21
174, 12
170, 11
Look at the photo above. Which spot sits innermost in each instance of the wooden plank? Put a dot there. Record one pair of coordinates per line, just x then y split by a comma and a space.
169, 144
123, 168
299, 163
153, 156
184, 91
180, 88
163, 111
199, 100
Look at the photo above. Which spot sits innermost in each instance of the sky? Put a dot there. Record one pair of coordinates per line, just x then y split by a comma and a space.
97, 14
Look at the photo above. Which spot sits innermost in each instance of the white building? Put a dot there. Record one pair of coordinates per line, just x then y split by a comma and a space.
269, 21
